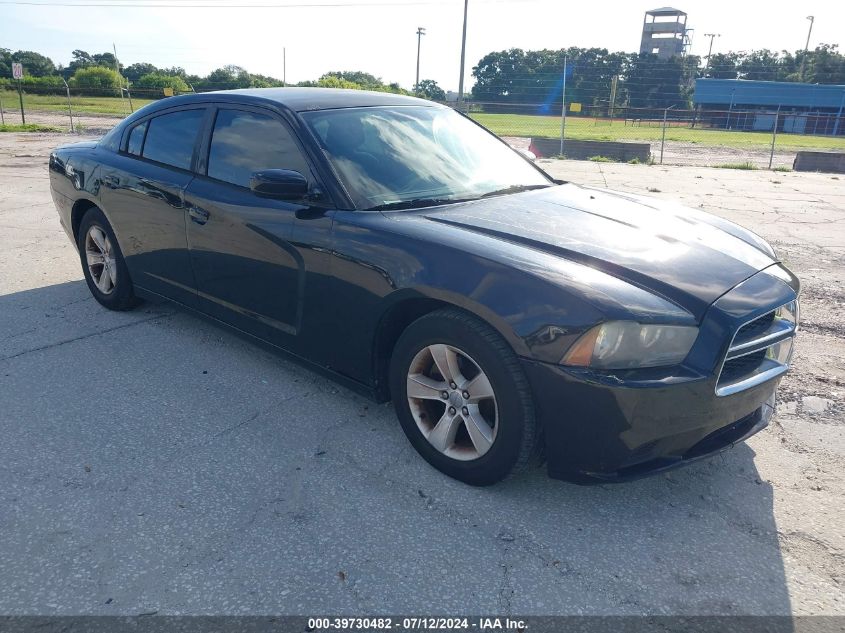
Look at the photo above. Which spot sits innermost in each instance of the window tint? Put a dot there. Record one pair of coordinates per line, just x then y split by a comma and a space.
136, 139
170, 137
244, 142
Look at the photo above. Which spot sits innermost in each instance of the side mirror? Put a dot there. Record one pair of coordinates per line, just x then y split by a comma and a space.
280, 184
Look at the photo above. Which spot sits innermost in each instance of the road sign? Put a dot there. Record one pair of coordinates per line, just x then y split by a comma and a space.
17, 73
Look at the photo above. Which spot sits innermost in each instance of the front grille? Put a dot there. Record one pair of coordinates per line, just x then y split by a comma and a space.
736, 368
756, 328
760, 350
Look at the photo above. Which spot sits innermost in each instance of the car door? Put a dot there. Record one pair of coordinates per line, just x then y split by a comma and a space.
249, 273
143, 195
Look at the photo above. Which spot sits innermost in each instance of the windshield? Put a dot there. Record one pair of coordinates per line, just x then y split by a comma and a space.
403, 155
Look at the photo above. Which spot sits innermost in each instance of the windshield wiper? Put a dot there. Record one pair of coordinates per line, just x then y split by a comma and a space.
512, 189
415, 203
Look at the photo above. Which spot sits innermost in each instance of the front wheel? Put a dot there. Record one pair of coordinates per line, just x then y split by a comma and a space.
462, 398
103, 264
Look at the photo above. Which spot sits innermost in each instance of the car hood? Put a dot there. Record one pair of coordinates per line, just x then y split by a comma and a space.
687, 256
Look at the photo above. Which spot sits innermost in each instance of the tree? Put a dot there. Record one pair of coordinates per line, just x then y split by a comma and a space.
264, 81
134, 72
365, 80
496, 75
332, 81
176, 71
761, 65
97, 81
395, 88
35, 64
660, 83
723, 66
80, 59
83, 59
158, 81
536, 77
826, 65
5, 63
428, 89
226, 78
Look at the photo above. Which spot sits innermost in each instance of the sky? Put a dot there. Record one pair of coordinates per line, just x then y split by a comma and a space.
379, 36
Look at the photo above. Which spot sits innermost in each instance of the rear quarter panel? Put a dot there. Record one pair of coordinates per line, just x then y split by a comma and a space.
73, 178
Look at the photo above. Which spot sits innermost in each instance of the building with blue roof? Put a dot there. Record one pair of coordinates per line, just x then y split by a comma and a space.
752, 105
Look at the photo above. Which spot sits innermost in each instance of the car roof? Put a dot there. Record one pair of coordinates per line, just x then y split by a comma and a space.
303, 99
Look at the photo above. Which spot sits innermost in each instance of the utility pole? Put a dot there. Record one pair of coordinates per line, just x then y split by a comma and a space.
712, 36
284, 67
420, 33
806, 47
463, 57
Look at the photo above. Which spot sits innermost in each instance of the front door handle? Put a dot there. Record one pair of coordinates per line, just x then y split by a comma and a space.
198, 215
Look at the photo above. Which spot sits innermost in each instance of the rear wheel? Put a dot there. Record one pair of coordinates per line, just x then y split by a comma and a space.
103, 264
462, 398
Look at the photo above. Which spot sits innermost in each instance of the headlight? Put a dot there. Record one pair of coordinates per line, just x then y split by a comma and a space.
627, 345
789, 312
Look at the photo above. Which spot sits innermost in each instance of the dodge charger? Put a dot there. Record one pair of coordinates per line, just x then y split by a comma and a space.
402, 249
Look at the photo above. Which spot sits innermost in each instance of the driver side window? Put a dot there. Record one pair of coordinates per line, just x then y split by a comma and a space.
245, 142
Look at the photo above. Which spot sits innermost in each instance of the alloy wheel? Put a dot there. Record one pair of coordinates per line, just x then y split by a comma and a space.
100, 259
452, 402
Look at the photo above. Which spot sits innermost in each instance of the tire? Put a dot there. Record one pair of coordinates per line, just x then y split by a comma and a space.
472, 351
96, 237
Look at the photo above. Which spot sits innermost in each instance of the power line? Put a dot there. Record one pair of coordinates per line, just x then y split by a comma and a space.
300, 5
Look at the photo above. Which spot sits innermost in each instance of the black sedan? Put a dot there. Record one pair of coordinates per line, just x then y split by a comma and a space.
399, 247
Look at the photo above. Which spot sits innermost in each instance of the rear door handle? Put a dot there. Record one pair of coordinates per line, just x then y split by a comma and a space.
198, 215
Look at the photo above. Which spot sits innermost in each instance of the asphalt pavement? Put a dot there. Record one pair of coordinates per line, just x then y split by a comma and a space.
153, 462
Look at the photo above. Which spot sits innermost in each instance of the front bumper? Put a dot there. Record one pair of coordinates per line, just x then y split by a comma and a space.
598, 433
621, 425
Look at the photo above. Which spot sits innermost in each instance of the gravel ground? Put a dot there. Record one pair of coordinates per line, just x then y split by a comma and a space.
152, 462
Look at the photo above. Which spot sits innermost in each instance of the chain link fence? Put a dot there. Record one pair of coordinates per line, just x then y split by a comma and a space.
66, 109
739, 138
736, 137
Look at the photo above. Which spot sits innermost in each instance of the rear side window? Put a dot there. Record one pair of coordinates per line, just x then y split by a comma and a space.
245, 142
136, 139
171, 137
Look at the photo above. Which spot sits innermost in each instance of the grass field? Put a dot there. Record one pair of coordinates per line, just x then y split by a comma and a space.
590, 130
30, 127
81, 105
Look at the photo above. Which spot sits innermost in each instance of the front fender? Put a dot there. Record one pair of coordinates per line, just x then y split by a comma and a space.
540, 303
